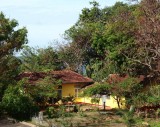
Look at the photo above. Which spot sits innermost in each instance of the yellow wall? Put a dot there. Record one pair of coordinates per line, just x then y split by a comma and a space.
109, 102
68, 90
83, 99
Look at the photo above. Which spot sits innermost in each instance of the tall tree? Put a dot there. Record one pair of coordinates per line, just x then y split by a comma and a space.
80, 36
99, 38
35, 60
147, 38
11, 40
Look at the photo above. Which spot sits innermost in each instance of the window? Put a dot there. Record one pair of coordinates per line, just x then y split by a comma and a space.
77, 91
59, 92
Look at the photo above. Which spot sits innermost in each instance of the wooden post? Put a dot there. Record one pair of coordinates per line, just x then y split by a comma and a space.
104, 102
104, 106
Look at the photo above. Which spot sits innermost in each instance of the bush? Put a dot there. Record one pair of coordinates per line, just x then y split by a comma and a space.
51, 112
1, 110
95, 100
17, 103
67, 99
154, 124
129, 119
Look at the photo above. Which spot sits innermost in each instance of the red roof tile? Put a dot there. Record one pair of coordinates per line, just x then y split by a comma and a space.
67, 76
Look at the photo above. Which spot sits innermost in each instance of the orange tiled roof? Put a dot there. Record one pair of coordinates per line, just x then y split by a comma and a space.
67, 76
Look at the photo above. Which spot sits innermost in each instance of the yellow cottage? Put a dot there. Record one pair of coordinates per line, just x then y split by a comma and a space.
72, 83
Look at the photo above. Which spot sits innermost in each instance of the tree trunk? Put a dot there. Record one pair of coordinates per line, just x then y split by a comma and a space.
118, 102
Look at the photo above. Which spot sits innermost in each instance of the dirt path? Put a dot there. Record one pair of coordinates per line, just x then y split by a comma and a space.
7, 123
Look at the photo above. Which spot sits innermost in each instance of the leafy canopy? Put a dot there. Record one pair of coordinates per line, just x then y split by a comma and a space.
12, 40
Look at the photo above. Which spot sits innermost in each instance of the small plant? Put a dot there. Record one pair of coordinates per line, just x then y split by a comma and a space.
119, 112
157, 113
118, 121
66, 123
66, 117
128, 118
154, 124
51, 112
61, 112
95, 100
67, 99
82, 114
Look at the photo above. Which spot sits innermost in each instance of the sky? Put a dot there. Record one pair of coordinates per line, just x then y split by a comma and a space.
46, 20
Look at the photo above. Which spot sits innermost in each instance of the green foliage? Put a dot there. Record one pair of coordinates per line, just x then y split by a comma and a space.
10, 70
1, 110
103, 37
124, 89
96, 89
51, 112
11, 41
44, 89
59, 112
128, 118
40, 59
127, 89
80, 37
91, 15
149, 97
65, 100
95, 100
154, 124
18, 103
82, 114
120, 40
116, 39
62, 112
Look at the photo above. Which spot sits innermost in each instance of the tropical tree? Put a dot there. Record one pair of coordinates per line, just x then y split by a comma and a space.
11, 41
125, 89
80, 38
35, 60
115, 40
44, 90
120, 39
101, 38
